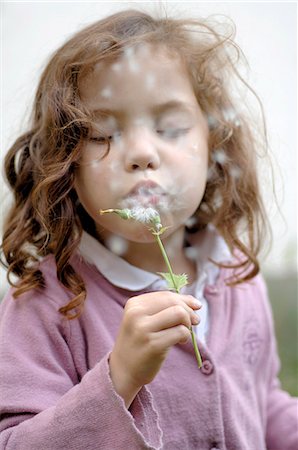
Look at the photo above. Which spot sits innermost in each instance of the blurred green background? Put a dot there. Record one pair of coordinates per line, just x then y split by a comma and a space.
283, 295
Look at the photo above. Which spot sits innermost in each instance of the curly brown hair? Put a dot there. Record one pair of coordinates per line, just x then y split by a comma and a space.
46, 217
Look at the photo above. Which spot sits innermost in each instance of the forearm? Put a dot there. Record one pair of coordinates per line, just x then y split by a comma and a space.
88, 413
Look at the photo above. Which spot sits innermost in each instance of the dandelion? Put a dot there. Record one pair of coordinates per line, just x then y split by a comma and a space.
149, 216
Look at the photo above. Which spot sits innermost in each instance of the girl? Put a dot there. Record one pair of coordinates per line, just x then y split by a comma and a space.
136, 111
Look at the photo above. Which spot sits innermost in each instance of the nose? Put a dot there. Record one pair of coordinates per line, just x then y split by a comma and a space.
141, 152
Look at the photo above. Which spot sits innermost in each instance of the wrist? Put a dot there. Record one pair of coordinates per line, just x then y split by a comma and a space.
122, 383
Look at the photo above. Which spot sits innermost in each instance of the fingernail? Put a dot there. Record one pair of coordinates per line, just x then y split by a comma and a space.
195, 320
197, 303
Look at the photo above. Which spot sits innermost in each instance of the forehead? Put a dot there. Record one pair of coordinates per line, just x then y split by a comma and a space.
144, 74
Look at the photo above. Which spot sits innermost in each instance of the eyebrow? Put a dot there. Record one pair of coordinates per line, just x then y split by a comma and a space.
156, 109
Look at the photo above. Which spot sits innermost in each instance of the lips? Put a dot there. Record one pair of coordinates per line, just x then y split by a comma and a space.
146, 188
145, 193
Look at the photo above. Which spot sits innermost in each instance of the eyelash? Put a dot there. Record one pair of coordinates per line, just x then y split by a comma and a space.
172, 133
167, 133
101, 140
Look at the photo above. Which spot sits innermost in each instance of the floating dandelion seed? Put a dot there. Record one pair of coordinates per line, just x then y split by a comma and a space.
191, 222
191, 253
106, 92
217, 200
204, 207
117, 245
211, 173
111, 122
230, 116
212, 122
149, 81
129, 54
142, 121
116, 67
143, 50
219, 156
133, 65
235, 172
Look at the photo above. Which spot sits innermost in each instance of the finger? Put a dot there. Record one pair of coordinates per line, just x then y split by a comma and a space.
154, 302
171, 317
165, 339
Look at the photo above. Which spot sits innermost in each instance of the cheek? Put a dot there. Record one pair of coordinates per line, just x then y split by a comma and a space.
114, 181
89, 184
191, 178
193, 163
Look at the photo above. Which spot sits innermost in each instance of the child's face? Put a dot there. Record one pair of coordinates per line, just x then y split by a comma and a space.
158, 153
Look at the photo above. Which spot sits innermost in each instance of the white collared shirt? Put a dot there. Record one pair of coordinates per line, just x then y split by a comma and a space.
126, 276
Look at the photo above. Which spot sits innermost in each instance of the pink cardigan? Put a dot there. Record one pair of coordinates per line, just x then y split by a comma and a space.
56, 393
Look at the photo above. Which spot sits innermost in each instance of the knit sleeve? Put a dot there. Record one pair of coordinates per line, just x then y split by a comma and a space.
282, 409
43, 405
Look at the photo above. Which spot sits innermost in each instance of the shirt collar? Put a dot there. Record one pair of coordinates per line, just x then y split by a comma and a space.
204, 245
118, 271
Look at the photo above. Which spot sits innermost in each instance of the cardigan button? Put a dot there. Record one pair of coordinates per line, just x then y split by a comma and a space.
207, 367
211, 289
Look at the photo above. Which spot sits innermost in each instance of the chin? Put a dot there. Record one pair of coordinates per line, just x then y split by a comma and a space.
143, 236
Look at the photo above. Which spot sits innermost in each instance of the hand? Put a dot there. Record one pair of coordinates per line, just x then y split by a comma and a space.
151, 325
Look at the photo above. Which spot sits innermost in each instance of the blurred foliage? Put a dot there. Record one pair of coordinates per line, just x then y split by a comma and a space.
283, 293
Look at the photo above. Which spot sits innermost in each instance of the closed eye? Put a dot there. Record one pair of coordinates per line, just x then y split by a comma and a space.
100, 139
172, 133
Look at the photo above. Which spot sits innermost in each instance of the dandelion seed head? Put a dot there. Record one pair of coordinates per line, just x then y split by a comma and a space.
144, 215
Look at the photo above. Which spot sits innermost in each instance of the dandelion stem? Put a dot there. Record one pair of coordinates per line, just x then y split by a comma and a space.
149, 215
166, 259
